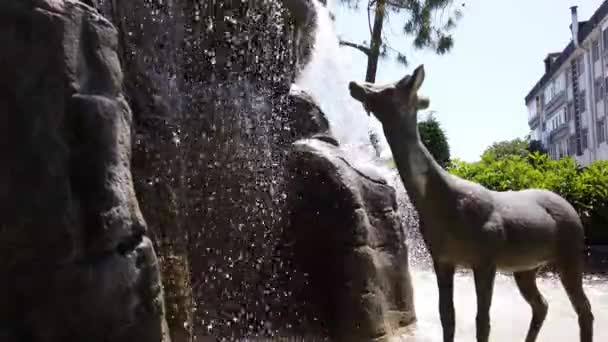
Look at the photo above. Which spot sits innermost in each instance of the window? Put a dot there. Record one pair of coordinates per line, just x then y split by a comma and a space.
595, 51
562, 148
557, 120
569, 111
582, 103
571, 146
599, 90
584, 140
548, 94
601, 131
554, 88
555, 151
560, 83
531, 111
581, 65
605, 36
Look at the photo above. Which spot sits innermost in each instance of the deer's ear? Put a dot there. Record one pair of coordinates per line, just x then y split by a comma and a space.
404, 82
418, 77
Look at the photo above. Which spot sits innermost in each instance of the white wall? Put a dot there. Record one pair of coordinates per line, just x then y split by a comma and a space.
599, 108
602, 151
585, 159
531, 109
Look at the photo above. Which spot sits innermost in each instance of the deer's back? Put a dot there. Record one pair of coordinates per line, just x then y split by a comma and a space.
520, 229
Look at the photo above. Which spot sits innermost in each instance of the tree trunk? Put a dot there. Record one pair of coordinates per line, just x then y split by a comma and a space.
372, 59
376, 42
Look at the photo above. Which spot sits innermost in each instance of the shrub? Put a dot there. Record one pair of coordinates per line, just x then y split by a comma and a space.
586, 189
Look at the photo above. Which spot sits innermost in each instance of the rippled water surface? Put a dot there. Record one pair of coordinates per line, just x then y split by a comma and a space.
510, 313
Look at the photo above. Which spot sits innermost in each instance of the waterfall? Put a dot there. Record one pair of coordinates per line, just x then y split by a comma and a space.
326, 78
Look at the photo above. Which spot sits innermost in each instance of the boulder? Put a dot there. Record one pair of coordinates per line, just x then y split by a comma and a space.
346, 237
303, 117
74, 257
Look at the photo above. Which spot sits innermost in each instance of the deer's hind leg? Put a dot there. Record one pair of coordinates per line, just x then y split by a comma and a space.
571, 275
526, 282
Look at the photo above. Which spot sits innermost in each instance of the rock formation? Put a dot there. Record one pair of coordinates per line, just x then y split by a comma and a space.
75, 262
212, 127
208, 83
346, 237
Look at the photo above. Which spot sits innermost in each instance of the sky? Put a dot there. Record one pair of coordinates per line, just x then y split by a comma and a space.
477, 90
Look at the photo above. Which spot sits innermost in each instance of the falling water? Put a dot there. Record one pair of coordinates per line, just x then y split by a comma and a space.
326, 78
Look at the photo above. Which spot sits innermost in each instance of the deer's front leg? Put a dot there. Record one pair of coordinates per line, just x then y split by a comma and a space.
445, 283
484, 286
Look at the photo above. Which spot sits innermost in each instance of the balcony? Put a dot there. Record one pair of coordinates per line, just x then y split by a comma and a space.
556, 102
559, 132
533, 121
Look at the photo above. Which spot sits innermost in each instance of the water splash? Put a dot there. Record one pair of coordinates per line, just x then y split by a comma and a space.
326, 78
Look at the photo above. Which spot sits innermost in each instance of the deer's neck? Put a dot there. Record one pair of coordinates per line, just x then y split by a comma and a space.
424, 180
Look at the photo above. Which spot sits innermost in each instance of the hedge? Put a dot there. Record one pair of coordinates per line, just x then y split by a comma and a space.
585, 188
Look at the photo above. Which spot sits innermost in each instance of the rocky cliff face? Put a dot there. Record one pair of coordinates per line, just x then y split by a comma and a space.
212, 126
209, 83
74, 257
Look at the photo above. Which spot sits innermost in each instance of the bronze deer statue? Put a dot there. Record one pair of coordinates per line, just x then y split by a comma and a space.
467, 225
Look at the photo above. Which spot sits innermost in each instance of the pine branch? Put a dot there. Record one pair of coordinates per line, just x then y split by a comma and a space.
366, 50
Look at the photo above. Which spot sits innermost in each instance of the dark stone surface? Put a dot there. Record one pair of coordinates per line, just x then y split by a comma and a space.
214, 120
346, 237
74, 259
208, 83
304, 16
303, 118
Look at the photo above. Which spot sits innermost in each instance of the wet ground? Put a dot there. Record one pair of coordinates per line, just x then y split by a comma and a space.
510, 313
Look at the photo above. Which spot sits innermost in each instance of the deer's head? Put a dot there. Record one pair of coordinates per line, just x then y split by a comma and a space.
395, 101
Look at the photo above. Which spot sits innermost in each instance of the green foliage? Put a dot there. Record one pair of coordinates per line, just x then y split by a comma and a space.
428, 22
586, 189
509, 147
434, 139
520, 147
536, 146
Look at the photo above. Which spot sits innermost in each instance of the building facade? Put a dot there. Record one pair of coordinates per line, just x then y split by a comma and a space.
567, 107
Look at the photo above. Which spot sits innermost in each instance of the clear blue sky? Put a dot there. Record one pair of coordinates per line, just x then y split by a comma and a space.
478, 89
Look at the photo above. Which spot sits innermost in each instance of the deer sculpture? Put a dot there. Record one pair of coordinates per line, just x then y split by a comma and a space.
464, 224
